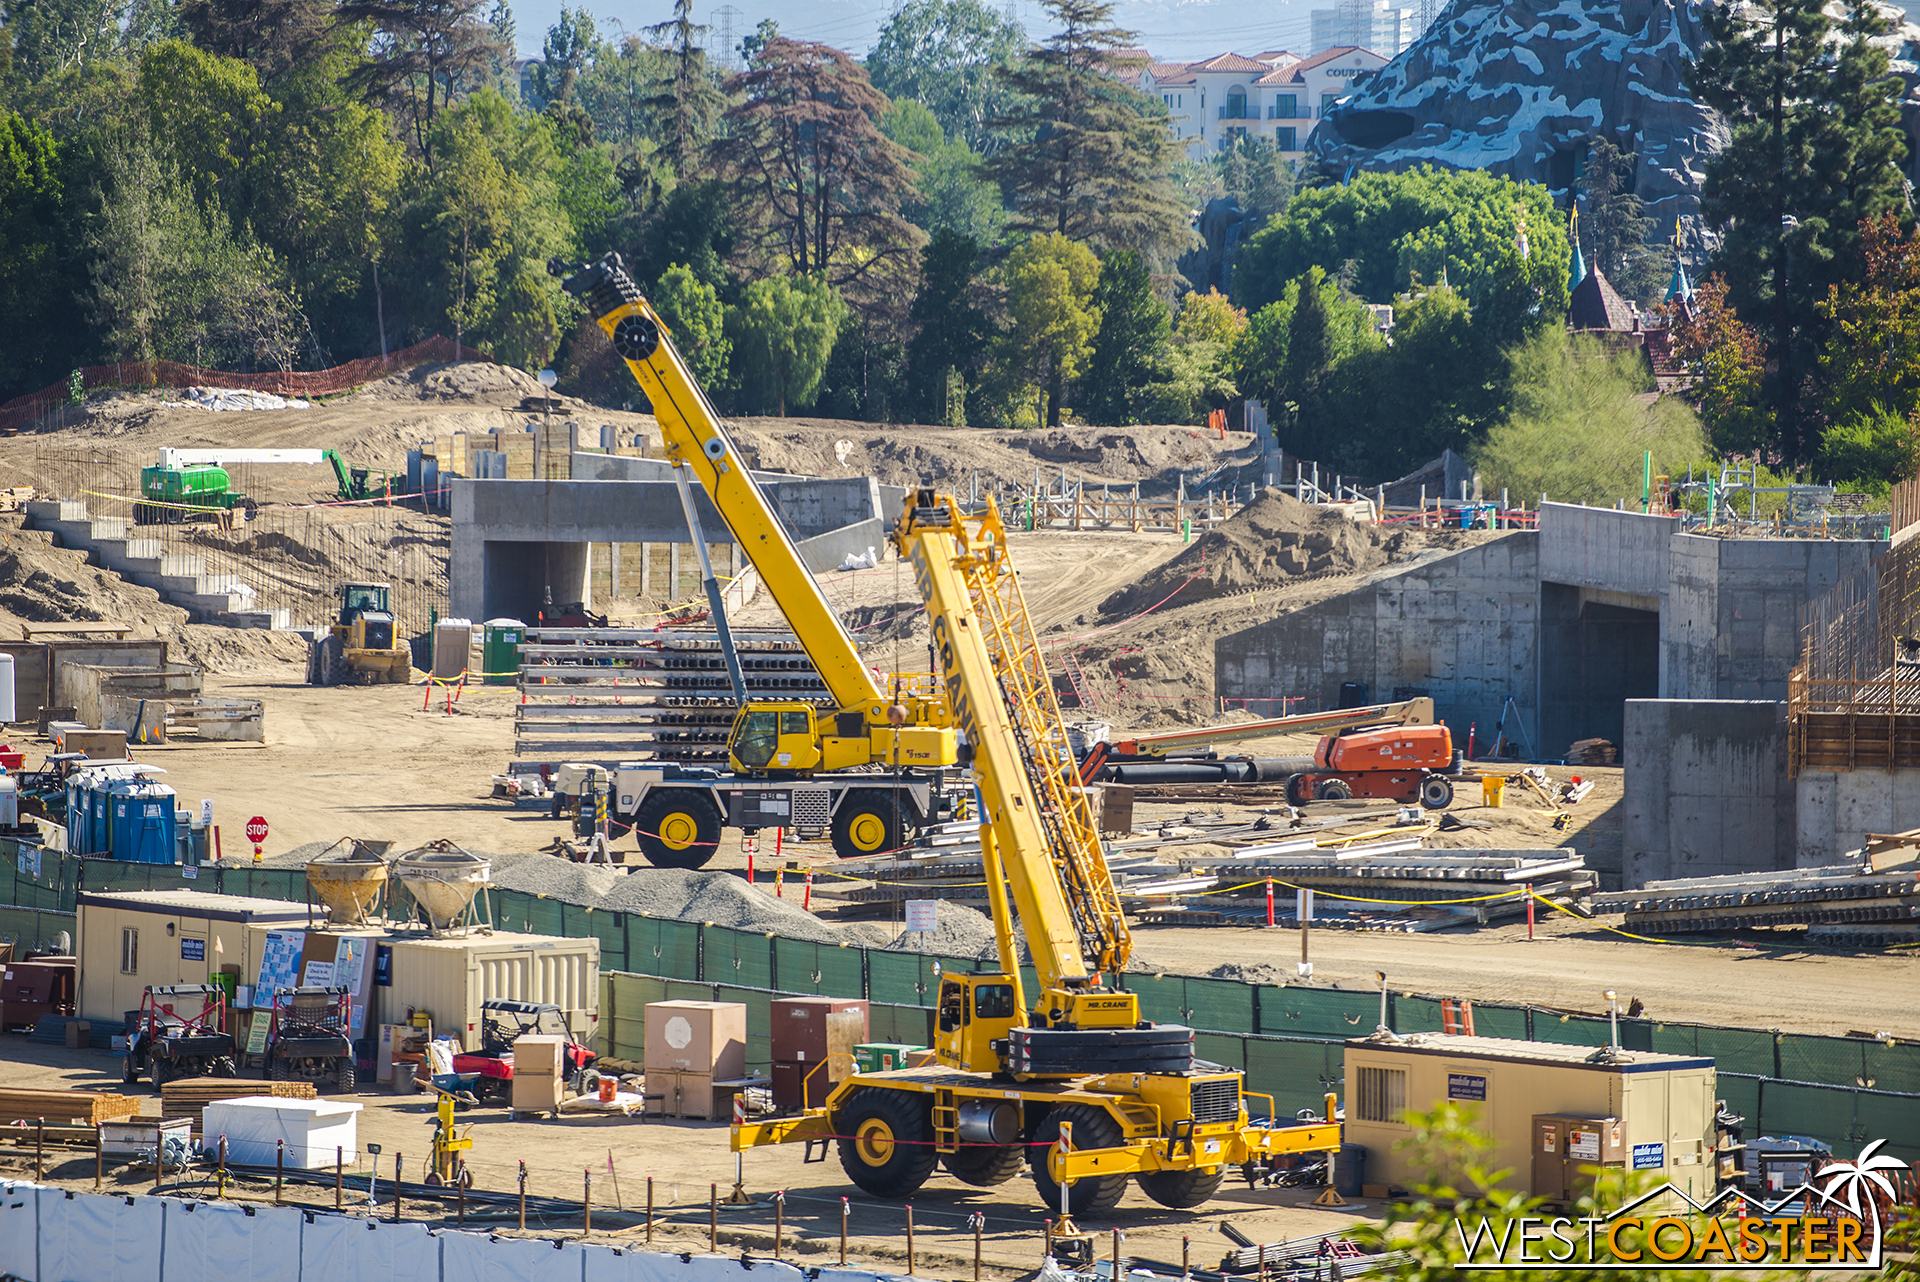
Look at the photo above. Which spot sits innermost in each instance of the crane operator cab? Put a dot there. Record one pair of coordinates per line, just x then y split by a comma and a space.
975, 1011
782, 738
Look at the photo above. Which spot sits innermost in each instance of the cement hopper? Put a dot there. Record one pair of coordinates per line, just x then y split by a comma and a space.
349, 881
443, 879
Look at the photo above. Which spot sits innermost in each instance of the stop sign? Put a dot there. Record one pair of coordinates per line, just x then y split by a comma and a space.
257, 829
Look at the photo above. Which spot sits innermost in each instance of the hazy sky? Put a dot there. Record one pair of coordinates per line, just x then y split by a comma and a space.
1175, 30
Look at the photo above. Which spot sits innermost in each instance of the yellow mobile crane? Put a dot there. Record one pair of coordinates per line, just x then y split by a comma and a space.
1068, 1080
782, 753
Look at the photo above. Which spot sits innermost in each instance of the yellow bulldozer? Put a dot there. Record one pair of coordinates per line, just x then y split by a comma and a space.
358, 646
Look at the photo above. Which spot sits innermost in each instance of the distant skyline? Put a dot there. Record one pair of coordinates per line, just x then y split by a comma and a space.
1175, 30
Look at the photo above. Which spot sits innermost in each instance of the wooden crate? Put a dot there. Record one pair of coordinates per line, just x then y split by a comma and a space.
190, 1096
64, 1108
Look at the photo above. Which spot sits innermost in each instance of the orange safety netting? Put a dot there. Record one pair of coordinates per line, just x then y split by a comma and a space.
22, 410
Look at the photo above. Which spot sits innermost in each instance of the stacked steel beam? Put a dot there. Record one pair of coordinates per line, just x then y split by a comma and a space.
1843, 902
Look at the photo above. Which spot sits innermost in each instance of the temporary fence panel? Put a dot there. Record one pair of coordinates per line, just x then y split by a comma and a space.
35, 929
899, 978
670, 949
681, 990
736, 957
1892, 1068
1733, 1050
1499, 1021
1570, 1030
1298, 1073
611, 930
623, 1013
1317, 1012
826, 970
1162, 998
1229, 1050
1828, 1114
905, 1025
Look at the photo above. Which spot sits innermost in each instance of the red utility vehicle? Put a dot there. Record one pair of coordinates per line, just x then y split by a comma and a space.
504, 1022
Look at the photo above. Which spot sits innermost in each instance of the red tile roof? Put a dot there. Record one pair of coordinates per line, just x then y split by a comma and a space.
1228, 62
1294, 71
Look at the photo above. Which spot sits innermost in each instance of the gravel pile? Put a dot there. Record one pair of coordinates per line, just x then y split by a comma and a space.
721, 898
959, 932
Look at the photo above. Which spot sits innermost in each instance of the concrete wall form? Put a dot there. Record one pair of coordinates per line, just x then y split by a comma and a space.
1707, 792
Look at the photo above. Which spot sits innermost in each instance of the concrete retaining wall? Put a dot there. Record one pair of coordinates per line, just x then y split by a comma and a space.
1707, 791
1460, 626
1838, 808
1591, 547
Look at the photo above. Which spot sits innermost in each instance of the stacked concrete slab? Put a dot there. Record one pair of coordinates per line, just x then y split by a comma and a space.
180, 579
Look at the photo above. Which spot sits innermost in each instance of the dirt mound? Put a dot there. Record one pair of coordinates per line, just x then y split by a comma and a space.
1272, 540
40, 583
230, 650
478, 381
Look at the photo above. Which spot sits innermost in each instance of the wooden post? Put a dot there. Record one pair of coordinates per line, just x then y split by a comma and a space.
1115, 1273
649, 1208
40, 1151
339, 1174
279, 1171
909, 1239
1186, 1256
462, 1186
586, 1207
843, 1231
713, 1218
99, 1158
523, 1197
779, 1220
220, 1186
1046, 1241
979, 1223
399, 1170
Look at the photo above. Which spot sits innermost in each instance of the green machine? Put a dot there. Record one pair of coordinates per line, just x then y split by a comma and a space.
359, 482
179, 493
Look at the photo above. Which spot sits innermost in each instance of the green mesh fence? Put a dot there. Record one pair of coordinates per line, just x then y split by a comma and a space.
35, 929
902, 979
1892, 1068
736, 957
1317, 1012
1297, 1073
759, 1023
1570, 1030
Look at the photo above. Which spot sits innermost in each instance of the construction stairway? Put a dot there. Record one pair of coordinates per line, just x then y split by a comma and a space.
607, 695
180, 579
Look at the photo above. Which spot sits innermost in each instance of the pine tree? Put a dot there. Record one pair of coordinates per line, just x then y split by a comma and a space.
1309, 363
1087, 157
1815, 150
1129, 345
686, 96
951, 330
1615, 228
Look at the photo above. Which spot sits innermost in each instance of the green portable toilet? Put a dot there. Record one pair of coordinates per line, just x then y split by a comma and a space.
500, 650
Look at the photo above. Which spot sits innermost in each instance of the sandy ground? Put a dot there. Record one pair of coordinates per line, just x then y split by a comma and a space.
368, 761
684, 1158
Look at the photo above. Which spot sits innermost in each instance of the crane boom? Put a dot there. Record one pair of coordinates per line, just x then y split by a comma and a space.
696, 437
1036, 814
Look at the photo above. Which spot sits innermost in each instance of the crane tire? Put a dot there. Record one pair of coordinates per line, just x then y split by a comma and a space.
1178, 1190
1297, 794
1092, 1128
888, 1148
869, 822
985, 1165
677, 828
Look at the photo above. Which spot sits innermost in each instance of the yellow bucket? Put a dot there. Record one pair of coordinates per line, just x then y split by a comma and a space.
1491, 786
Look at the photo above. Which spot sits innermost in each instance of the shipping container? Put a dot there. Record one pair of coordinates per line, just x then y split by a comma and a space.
129, 940
1650, 1111
43, 986
697, 1037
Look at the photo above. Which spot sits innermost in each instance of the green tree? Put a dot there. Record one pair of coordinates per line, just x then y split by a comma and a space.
1459, 227
483, 225
782, 332
1264, 363
424, 50
38, 283
818, 186
684, 96
1129, 348
1086, 156
950, 192
55, 36
566, 55
272, 36
951, 331
1194, 373
1871, 450
1441, 386
1815, 149
1254, 172
1050, 282
209, 120
944, 54
1872, 360
696, 320
1614, 229
1726, 363
1580, 423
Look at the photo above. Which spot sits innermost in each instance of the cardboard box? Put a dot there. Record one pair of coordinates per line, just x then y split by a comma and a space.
78, 1033
543, 1056
537, 1092
695, 1095
697, 1037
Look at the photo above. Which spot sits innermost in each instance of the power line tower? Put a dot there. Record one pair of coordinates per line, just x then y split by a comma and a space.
1429, 10
1354, 21
727, 58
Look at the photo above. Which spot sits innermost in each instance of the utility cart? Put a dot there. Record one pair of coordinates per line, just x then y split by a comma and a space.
179, 1031
310, 1037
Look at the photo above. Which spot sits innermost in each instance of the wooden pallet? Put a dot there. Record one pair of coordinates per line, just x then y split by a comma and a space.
190, 1096
64, 1108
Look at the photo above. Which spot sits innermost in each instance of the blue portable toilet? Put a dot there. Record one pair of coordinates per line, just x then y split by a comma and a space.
77, 813
143, 822
99, 813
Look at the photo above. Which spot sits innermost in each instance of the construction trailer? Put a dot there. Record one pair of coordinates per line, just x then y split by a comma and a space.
139, 938
449, 979
1554, 1112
